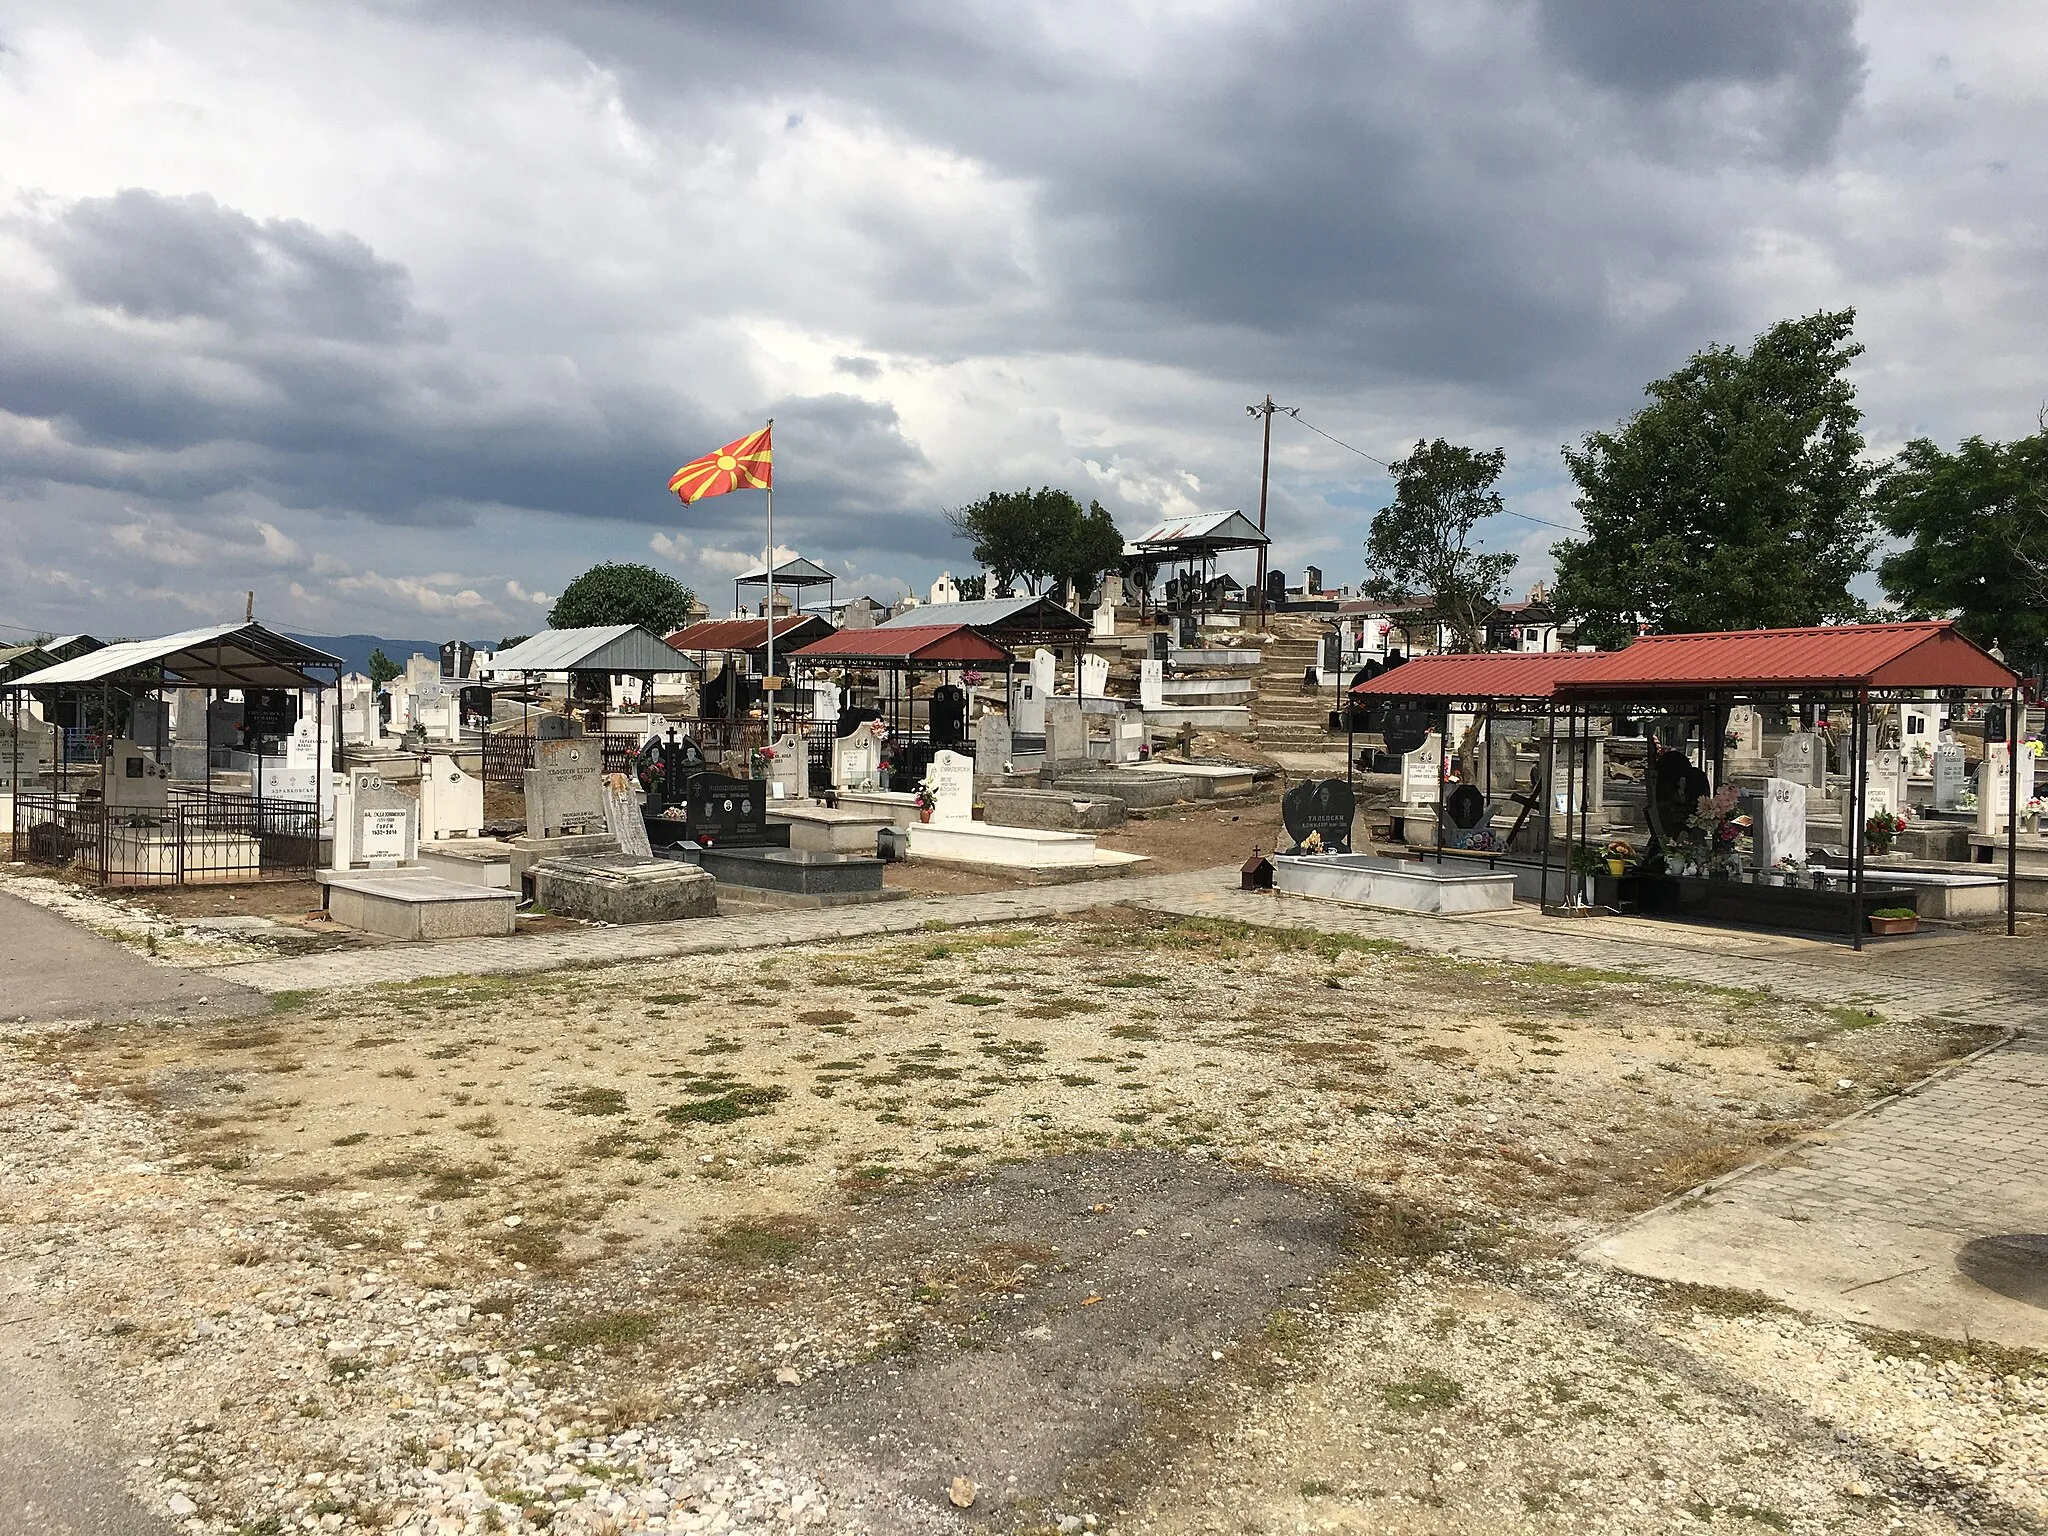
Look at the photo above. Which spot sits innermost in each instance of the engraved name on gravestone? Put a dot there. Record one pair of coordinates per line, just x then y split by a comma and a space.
857, 759
726, 812
1951, 777
1320, 806
386, 821
1422, 771
565, 794
1800, 759
952, 790
1151, 684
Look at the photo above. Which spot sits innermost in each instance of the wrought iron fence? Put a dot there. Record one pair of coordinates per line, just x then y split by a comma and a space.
198, 838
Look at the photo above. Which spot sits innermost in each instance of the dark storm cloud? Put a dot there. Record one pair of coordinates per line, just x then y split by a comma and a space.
1653, 49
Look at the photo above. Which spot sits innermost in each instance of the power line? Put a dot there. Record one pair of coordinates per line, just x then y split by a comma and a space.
1383, 464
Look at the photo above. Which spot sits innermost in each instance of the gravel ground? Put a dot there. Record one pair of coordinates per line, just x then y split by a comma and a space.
1125, 1223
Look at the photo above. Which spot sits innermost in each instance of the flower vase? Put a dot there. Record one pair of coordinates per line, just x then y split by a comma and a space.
1616, 868
924, 813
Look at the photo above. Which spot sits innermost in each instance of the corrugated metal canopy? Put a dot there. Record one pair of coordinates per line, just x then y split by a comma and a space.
1480, 675
791, 573
748, 634
602, 648
933, 644
1927, 654
224, 656
1209, 531
1014, 620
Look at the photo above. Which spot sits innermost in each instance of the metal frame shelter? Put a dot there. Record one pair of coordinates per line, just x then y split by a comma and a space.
608, 650
798, 573
244, 656
748, 638
904, 651
1699, 678
1008, 621
1195, 542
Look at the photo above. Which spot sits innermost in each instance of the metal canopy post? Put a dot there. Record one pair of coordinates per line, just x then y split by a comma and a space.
2013, 736
1549, 776
1858, 833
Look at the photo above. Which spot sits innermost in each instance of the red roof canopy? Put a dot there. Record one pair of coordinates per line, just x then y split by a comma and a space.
1479, 675
1925, 654
743, 634
931, 644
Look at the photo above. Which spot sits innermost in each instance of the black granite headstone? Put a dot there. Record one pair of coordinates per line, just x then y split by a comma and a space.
947, 713
1676, 787
1320, 805
1406, 726
269, 712
1276, 589
722, 811
1190, 632
1162, 642
1333, 650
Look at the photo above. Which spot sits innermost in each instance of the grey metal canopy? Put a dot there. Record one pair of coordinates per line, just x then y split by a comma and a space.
224, 656
791, 573
1211, 533
621, 648
1005, 620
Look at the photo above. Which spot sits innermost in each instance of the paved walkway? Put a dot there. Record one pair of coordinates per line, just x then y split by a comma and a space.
53, 968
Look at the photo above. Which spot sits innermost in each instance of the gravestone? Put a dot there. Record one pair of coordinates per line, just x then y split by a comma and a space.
1102, 625
557, 728
1802, 760
1422, 771
1675, 789
1333, 651
149, 721
1092, 677
1151, 684
1919, 735
1312, 580
268, 713
1884, 782
1126, 740
1951, 777
376, 824
1746, 753
857, 757
2024, 767
1993, 785
1045, 672
992, 742
565, 796
1405, 727
1111, 593
824, 701
132, 781
1160, 643
789, 770
952, 786
622, 817
1780, 830
946, 714
1190, 631
1276, 589
1322, 806
722, 811
1066, 733
458, 658
1030, 709
451, 801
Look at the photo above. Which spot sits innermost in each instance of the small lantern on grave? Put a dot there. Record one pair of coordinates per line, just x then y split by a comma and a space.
1257, 873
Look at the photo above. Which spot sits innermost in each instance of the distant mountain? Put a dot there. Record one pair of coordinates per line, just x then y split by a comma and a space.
355, 649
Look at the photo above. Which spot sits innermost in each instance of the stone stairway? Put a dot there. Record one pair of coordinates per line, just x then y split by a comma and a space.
1285, 716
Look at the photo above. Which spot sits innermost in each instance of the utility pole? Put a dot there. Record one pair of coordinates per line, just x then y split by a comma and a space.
1265, 408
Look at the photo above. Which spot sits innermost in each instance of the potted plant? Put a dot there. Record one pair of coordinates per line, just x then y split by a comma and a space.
2030, 813
1894, 920
1585, 863
1619, 854
924, 798
1881, 829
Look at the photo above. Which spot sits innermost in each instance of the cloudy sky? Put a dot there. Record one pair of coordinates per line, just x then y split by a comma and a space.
401, 314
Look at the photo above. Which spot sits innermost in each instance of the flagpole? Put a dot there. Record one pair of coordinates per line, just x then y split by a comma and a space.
768, 572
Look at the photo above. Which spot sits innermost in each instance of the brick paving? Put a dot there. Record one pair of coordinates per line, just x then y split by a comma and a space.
1966, 1153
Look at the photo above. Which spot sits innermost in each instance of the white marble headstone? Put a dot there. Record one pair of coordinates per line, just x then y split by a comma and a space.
1045, 672
857, 759
789, 770
1127, 739
1102, 625
451, 801
952, 780
1093, 677
1151, 684
1802, 760
1030, 709
133, 780
1781, 822
1993, 786
1422, 772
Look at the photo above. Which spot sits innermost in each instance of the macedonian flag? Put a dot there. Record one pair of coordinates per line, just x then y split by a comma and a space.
745, 465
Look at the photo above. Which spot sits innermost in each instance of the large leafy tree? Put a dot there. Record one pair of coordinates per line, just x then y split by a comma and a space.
622, 594
1035, 537
1737, 498
1421, 545
1976, 526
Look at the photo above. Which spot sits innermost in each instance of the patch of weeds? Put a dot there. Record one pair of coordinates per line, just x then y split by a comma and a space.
825, 1016
1423, 1392
1133, 1032
2002, 1359
671, 999
1136, 980
604, 1330
590, 1101
976, 1000
352, 1139
736, 1103
1715, 1300
349, 1369
761, 1240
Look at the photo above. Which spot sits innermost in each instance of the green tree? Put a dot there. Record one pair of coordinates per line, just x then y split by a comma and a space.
1738, 498
1422, 543
622, 594
382, 668
1976, 522
1039, 536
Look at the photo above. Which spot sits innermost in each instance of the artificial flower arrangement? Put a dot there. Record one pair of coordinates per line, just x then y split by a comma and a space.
1618, 850
971, 678
1714, 832
925, 796
1882, 828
